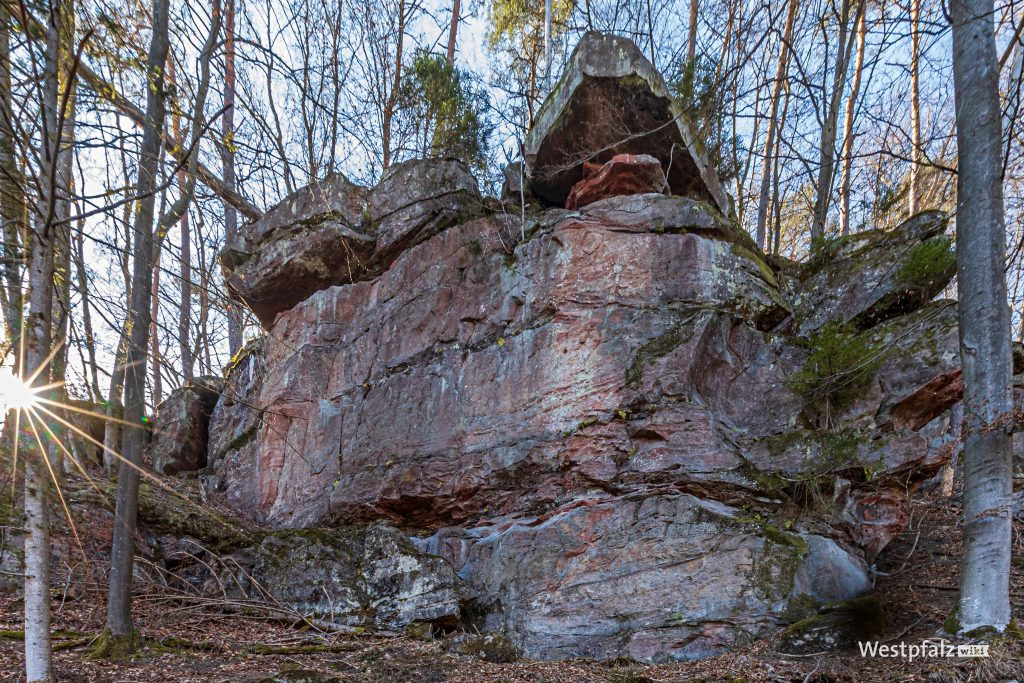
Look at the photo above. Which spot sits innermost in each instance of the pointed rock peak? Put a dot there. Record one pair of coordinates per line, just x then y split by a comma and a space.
611, 100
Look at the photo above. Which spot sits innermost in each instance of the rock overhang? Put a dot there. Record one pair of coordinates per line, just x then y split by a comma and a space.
611, 100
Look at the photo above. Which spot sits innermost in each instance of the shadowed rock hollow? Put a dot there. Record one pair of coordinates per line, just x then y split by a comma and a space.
618, 431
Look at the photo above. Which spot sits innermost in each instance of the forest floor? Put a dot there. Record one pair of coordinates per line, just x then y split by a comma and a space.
186, 640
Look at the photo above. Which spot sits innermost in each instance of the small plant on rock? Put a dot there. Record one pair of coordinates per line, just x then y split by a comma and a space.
840, 367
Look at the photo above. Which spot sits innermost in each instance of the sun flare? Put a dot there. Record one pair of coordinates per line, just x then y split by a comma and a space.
15, 393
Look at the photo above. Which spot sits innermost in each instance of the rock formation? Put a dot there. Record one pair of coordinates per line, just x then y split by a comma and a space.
617, 431
179, 441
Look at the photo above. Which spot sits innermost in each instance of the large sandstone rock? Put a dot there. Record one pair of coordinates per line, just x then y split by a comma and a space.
457, 373
316, 237
335, 232
592, 418
611, 100
179, 441
625, 174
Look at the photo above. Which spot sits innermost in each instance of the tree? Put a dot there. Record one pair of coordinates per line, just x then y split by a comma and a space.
230, 215
773, 115
443, 111
915, 105
830, 118
984, 322
120, 633
453, 31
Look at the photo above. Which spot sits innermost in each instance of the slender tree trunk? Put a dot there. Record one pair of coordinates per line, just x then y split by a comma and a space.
547, 45
121, 633
83, 293
228, 130
453, 31
827, 146
156, 387
12, 197
851, 107
915, 106
691, 33
38, 657
984, 322
769, 138
392, 100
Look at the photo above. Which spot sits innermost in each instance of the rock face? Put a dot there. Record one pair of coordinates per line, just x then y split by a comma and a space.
611, 100
625, 174
179, 441
603, 432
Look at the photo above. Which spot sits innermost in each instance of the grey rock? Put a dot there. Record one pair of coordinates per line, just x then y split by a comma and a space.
359, 577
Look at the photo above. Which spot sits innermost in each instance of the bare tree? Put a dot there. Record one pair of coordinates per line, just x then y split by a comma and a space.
769, 141
120, 633
830, 118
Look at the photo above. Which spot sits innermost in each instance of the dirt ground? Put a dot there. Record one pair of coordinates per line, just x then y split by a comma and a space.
190, 641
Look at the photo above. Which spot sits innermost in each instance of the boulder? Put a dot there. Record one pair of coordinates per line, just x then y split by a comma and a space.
469, 359
611, 100
635, 577
231, 449
371, 577
869, 277
625, 174
314, 238
335, 232
417, 199
182, 426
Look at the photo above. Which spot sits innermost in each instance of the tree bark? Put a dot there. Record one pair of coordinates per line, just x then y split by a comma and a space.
984, 322
119, 622
773, 112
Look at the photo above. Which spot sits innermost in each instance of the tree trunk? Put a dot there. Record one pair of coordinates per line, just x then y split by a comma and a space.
83, 292
984, 322
228, 150
156, 386
827, 146
38, 657
547, 45
12, 197
769, 139
453, 31
392, 100
915, 106
121, 634
851, 106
